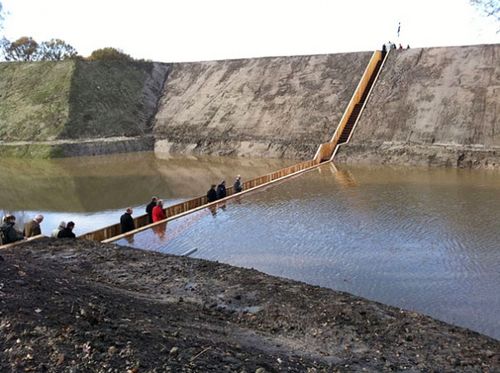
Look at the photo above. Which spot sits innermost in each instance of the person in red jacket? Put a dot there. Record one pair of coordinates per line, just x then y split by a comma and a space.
158, 213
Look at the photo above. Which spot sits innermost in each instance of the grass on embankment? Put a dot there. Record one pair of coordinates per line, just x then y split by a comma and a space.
34, 99
43, 101
107, 99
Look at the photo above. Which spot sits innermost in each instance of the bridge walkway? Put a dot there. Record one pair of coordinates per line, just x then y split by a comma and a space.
325, 153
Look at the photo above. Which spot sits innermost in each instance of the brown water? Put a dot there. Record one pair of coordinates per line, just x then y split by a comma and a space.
94, 191
425, 240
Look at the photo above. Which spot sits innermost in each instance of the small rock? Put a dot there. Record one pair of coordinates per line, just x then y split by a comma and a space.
174, 351
260, 370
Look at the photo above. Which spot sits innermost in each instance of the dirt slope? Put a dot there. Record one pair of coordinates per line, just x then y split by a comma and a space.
278, 107
437, 106
75, 306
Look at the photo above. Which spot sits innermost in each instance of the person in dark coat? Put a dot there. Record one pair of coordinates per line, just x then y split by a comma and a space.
237, 187
221, 190
126, 221
211, 194
10, 234
149, 209
68, 231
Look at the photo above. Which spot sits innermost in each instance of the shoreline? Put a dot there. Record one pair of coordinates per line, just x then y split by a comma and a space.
90, 306
76, 147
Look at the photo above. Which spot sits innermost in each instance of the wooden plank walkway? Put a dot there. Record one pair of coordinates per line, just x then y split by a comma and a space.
325, 154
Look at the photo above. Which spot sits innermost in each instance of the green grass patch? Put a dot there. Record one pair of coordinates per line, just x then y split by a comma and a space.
34, 99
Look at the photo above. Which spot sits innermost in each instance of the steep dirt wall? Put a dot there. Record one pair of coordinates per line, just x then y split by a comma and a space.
114, 98
437, 106
275, 107
42, 102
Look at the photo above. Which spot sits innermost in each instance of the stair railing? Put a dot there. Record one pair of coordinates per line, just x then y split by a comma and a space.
384, 58
327, 150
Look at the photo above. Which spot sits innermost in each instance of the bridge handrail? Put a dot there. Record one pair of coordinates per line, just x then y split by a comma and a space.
364, 104
324, 153
114, 230
356, 97
7, 245
278, 176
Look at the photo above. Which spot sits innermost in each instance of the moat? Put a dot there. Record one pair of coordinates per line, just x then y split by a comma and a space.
421, 239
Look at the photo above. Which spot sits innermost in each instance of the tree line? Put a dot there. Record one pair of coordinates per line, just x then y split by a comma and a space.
28, 49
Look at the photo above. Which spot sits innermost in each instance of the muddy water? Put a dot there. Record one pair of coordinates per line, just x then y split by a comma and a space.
425, 240
94, 191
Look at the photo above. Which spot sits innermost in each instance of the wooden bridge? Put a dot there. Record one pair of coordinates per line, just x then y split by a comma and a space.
324, 154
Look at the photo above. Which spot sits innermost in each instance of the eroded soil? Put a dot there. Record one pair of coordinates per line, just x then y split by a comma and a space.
79, 306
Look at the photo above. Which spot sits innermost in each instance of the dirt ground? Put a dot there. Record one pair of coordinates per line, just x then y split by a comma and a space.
80, 306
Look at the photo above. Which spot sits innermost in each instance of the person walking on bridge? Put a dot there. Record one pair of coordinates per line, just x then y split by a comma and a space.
149, 209
32, 228
8, 233
126, 221
237, 187
158, 213
221, 190
212, 194
68, 231
56, 231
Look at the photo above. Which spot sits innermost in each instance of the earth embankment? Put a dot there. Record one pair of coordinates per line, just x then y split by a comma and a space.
71, 108
85, 306
271, 107
434, 106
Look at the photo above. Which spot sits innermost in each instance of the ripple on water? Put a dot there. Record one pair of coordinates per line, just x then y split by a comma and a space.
407, 239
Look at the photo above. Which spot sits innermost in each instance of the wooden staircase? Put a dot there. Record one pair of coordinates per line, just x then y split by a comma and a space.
357, 108
327, 150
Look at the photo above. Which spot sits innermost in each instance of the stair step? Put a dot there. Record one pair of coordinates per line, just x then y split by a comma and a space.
344, 136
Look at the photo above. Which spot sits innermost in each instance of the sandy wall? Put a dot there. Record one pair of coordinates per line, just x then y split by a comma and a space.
436, 106
271, 107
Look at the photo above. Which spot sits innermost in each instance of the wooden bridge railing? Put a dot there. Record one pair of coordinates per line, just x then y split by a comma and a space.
7, 245
114, 230
326, 150
324, 153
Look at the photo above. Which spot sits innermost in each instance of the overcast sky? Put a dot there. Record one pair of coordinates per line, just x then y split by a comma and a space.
193, 30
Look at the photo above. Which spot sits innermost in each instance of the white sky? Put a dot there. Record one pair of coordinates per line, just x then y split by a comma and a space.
193, 30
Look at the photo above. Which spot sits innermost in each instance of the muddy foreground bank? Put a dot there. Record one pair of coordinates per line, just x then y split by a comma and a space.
83, 306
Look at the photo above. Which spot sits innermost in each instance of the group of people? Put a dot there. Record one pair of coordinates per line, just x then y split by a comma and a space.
155, 212
220, 192
9, 233
390, 45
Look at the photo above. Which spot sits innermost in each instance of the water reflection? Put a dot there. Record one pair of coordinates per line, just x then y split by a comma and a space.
93, 191
426, 240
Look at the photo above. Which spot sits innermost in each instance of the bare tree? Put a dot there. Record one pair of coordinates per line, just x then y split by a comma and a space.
27, 49
1, 15
55, 50
490, 8
23, 49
